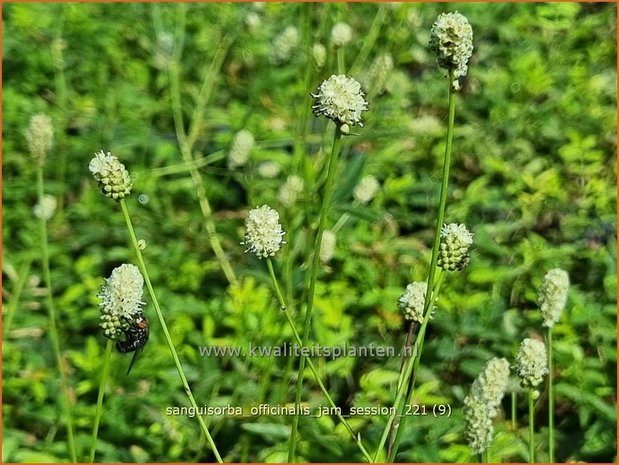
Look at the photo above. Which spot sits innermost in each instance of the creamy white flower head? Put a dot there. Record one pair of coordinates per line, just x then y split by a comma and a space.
284, 44
263, 232
327, 245
412, 301
366, 189
426, 125
340, 99
454, 247
113, 179
121, 300
492, 383
478, 420
375, 80
46, 207
290, 190
253, 21
40, 135
319, 54
553, 295
531, 363
241, 147
451, 38
341, 34
269, 169
164, 51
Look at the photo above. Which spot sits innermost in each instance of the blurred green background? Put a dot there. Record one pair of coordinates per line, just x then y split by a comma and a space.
533, 176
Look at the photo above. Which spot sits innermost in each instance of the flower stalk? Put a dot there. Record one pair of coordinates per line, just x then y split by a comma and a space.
324, 209
284, 308
435, 247
164, 326
40, 137
98, 412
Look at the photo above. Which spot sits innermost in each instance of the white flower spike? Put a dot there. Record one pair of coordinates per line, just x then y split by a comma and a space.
121, 300
263, 232
553, 295
340, 99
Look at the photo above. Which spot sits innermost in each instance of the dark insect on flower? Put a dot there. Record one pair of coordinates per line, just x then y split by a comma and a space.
136, 338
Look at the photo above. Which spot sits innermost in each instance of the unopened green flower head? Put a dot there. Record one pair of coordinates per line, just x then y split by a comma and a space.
531, 362
341, 34
241, 147
340, 99
40, 135
121, 300
113, 179
366, 189
553, 295
411, 303
492, 383
263, 232
319, 54
454, 247
478, 420
451, 38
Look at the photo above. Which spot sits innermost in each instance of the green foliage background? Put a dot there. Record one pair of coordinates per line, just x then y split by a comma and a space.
533, 176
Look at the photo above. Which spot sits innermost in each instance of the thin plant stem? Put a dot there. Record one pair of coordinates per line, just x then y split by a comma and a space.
485, 456
398, 398
437, 233
164, 326
341, 65
514, 423
60, 85
53, 330
22, 278
551, 402
324, 210
369, 40
401, 426
531, 428
310, 364
95, 426
480, 457
186, 140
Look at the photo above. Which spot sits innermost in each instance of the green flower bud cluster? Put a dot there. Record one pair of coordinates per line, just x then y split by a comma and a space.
454, 247
113, 179
553, 295
531, 363
411, 303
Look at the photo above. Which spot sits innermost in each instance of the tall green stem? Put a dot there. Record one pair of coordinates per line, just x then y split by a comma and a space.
551, 402
186, 140
437, 240
53, 330
401, 425
284, 307
164, 326
514, 423
531, 428
95, 426
324, 210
